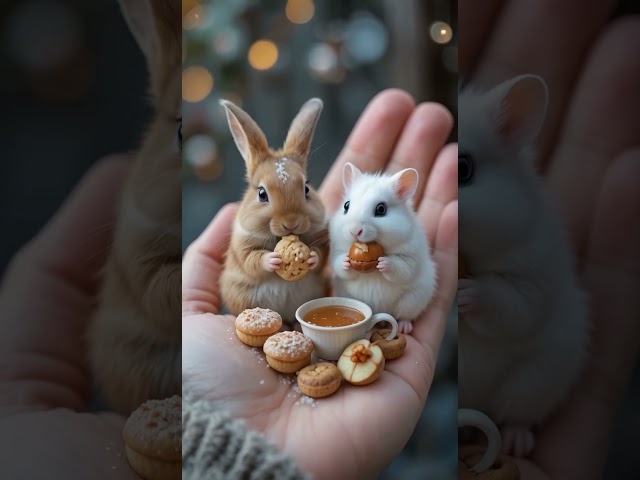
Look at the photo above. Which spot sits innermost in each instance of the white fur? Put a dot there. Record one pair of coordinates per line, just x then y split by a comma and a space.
522, 346
406, 289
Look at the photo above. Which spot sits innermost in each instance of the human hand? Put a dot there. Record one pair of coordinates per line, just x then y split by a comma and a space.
590, 161
345, 427
46, 299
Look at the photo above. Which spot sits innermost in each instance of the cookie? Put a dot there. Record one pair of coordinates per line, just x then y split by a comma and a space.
319, 380
361, 362
255, 325
294, 255
363, 257
288, 352
469, 455
391, 349
153, 439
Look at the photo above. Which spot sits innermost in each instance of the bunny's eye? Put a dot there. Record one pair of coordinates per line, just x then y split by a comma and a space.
466, 169
346, 206
381, 209
306, 191
262, 195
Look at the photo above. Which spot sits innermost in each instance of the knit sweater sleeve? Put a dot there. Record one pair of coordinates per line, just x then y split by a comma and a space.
216, 446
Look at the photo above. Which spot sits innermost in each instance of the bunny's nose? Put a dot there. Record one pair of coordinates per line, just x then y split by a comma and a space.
290, 226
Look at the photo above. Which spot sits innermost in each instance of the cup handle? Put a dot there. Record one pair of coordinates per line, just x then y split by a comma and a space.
385, 317
475, 418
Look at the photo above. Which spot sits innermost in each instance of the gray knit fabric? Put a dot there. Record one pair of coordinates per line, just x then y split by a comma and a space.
216, 446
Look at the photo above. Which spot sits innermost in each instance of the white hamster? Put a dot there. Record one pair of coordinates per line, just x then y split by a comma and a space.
378, 207
523, 320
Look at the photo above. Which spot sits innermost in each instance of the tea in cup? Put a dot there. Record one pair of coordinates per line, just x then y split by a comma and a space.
333, 323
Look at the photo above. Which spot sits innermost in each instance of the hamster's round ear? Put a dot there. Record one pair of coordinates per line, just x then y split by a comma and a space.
405, 184
520, 107
349, 173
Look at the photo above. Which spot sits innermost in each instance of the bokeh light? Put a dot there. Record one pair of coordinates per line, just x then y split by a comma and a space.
193, 18
299, 11
441, 32
263, 54
197, 83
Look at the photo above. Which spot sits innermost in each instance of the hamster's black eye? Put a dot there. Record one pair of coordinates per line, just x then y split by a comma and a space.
466, 167
180, 135
381, 209
262, 195
306, 191
346, 206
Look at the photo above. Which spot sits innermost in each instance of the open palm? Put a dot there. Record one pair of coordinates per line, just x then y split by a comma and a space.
590, 161
359, 429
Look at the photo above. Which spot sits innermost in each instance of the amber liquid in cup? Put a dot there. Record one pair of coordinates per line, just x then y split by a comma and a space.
334, 316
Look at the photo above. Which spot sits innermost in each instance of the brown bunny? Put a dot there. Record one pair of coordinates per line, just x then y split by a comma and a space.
277, 202
135, 336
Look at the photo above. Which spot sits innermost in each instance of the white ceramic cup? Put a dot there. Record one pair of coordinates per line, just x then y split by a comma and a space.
330, 342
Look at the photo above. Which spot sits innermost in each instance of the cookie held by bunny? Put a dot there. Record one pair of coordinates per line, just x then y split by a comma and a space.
278, 202
378, 208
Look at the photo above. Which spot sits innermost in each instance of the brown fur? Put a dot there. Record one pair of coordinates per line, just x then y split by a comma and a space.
244, 279
135, 337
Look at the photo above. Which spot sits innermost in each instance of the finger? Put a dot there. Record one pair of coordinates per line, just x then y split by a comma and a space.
612, 277
202, 264
49, 294
430, 328
550, 39
476, 21
371, 142
423, 136
602, 122
442, 188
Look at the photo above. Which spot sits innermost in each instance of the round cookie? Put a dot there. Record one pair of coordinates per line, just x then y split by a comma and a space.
363, 257
153, 439
319, 380
391, 349
288, 352
294, 255
255, 325
503, 469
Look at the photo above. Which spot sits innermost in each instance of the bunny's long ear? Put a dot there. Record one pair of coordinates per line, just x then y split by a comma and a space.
249, 139
518, 108
157, 28
300, 134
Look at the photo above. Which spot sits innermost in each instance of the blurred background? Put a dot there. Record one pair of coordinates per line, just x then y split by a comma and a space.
72, 90
269, 57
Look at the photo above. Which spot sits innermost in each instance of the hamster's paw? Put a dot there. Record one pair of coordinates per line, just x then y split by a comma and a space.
271, 261
517, 440
384, 265
346, 263
467, 295
313, 259
405, 327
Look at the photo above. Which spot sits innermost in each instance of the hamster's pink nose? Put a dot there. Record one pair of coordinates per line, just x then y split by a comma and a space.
356, 232
290, 227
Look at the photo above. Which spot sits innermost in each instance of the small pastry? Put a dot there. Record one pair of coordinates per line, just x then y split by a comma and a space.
391, 349
469, 455
294, 255
361, 362
255, 325
288, 352
319, 380
363, 257
153, 439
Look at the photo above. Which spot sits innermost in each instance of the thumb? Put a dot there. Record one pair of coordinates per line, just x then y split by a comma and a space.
49, 292
202, 265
